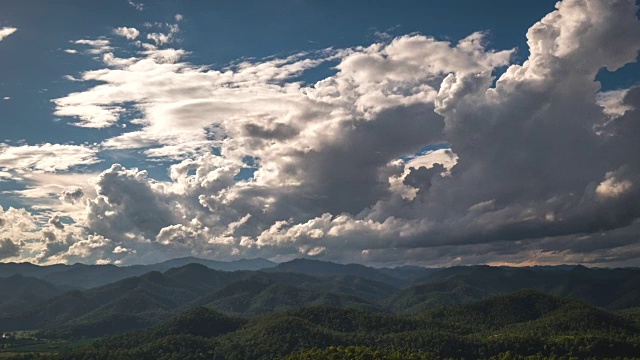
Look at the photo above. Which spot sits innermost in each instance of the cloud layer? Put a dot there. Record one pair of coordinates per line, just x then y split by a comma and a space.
411, 152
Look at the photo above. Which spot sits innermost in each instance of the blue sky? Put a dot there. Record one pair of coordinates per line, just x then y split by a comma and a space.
317, 93
215, 34
218, 34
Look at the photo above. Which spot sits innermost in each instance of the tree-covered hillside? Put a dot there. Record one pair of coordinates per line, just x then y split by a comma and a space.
525, 324
31, 303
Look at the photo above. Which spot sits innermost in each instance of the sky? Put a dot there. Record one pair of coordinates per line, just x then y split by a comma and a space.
386, 133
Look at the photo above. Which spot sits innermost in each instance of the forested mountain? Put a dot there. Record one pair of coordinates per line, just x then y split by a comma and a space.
19, 291
236, 265
526, 323
316, 267
610, 288
82, 276
144, 300
456, 301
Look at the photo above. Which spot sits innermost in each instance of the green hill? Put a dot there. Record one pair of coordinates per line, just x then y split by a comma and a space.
317, 267
419, 298
19, 292
519, 325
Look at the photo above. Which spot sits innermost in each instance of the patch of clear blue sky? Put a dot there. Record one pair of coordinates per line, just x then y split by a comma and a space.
427, 149
33, 65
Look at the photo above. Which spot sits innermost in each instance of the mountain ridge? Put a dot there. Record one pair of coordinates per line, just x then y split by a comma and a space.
155, 295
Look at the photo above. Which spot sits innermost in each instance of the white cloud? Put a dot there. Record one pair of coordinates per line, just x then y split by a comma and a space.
137, 6
98, 46
122, 250
127, 32
46, 157
162, 38
398, 183
50, 194
91, 116
8, 249
613, 187
56, 222
87, 247
6, 31
525, 163
613, 102
71, 195
17, 225
6, 175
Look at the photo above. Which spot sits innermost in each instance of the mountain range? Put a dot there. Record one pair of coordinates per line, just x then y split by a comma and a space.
83, 276
96, 300
526, 324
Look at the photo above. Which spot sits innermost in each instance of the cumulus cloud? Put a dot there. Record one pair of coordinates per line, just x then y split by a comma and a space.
6, 31
127, 203
55, 222
72, 195
17, 225
127, 32
8, 249
54, 193
164, 38
120, 250
410, 150
87, 247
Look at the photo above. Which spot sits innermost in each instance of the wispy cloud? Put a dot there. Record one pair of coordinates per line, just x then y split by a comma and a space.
137, 6
97, 46
46, 157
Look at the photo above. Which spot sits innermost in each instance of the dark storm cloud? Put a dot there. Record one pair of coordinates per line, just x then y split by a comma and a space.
8, 249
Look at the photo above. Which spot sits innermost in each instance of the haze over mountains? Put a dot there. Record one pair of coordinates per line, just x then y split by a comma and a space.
87, 276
